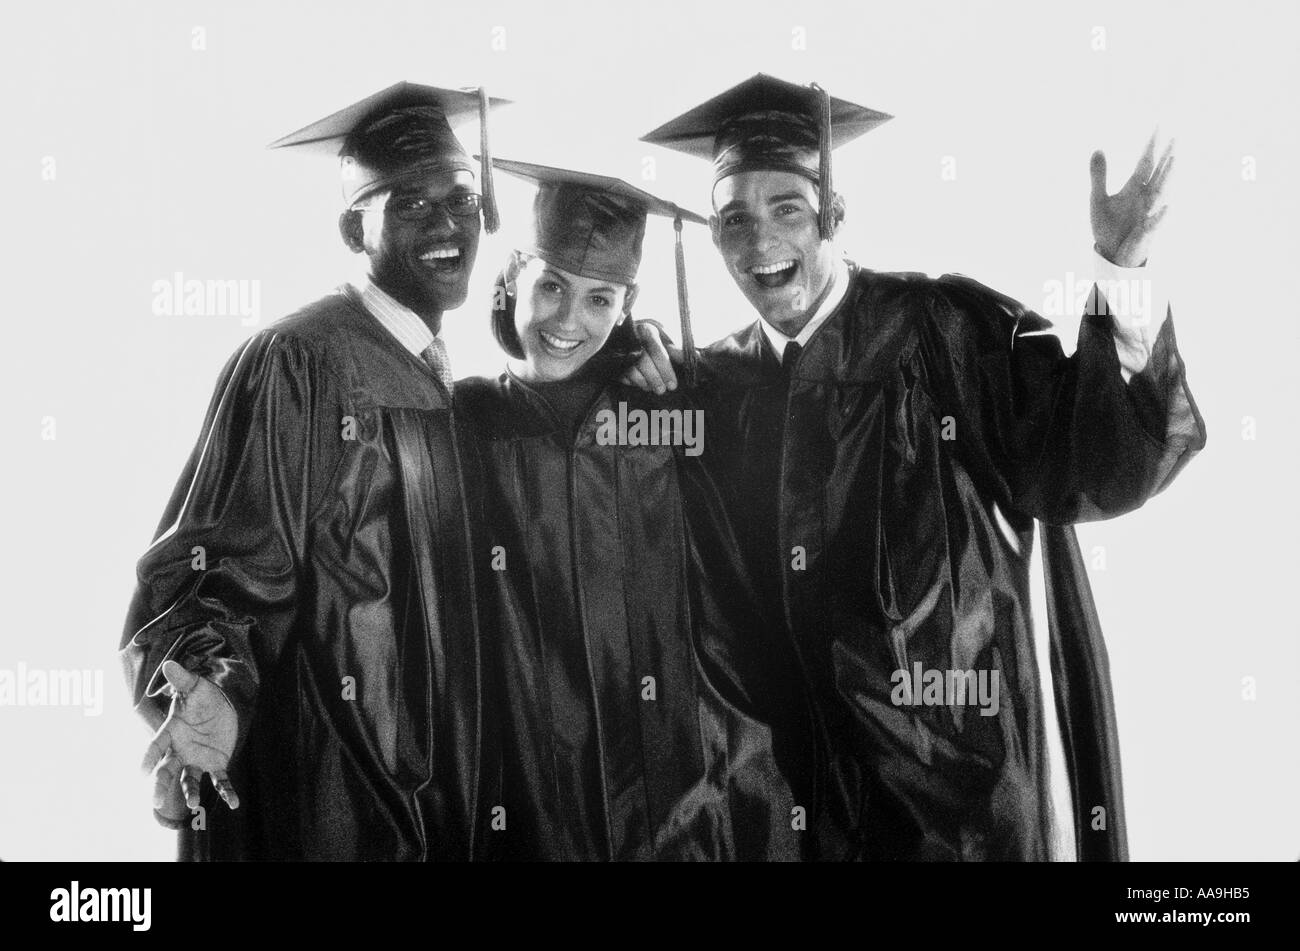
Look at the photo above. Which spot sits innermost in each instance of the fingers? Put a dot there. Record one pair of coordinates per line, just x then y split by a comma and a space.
655, 371
191, 779
1162, 167
634, 377
663, 367
1147, 163
168, 803
158, 748
1097, 166
170, 777
180, 679
651, 371
225, 789
165, 777
645, 331
1156, 189
643, 375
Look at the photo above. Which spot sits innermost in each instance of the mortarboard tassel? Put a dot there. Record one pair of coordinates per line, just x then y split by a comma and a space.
825, 222
491, 219
683, 305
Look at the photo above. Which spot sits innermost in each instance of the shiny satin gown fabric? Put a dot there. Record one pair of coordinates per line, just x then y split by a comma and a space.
885, 487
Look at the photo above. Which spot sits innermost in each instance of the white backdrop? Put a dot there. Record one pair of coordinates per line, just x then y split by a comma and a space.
134, 136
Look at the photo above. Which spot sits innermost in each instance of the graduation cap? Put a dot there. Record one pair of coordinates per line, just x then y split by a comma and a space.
768, 124
594, 225
400, 132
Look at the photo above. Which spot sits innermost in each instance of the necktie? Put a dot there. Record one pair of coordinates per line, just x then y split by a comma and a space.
789, 358
435, 355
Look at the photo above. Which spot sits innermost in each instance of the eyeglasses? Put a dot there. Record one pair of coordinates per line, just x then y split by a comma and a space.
420, 207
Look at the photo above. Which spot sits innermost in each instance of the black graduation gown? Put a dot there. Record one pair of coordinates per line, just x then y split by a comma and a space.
327, 494
888, 480
608, 565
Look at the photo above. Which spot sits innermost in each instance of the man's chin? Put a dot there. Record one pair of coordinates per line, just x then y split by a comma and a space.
774, 307
445, 297
781, 317
453, 301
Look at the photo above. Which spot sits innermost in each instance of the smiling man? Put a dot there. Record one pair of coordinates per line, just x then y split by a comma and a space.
304, 630
889, 441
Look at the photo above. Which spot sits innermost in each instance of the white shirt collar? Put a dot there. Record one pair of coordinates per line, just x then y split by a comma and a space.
398, 319
839, 288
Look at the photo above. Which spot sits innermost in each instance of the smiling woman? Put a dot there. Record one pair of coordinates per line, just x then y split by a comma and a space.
629, 727
563, 321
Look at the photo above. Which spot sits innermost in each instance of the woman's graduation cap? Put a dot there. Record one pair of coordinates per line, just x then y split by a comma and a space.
593, 226
399, 132
768, 124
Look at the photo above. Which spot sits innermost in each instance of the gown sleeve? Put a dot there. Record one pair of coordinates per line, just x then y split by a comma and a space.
1061, 439
218, 589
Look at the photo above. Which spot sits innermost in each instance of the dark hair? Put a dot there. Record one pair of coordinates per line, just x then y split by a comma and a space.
622, 343
503, 318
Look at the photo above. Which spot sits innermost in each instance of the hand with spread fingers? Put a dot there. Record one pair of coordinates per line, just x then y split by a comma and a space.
198, 736
1123, 223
